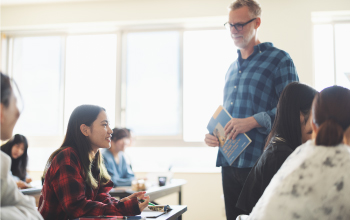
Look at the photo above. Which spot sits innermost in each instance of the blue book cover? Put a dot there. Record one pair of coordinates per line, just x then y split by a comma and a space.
231, 149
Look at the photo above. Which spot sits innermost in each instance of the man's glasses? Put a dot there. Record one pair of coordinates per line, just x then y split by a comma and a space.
238, 27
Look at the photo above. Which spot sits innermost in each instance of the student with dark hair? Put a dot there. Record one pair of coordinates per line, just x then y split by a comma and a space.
17, 148
76, 181
114, 158
292, 127
14, 205
314, 182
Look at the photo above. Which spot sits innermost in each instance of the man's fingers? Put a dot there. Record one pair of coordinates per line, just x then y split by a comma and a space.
212, 144
235, 135
227, 125
228, 129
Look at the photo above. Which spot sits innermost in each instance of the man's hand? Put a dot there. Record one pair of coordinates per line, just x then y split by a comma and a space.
211, 140
239, 125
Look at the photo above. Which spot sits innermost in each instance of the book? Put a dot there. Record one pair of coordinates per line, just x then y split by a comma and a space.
231, 149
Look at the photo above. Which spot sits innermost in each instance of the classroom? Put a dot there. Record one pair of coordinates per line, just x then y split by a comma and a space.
158, 68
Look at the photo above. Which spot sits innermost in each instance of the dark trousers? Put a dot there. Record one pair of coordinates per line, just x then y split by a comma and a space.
232, 183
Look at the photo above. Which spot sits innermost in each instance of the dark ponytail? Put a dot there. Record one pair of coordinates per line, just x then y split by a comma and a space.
330, 133
331, 114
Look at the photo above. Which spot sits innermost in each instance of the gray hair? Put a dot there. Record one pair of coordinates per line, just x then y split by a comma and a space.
253, 6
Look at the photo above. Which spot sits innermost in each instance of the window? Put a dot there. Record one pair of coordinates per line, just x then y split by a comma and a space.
169, 82
50, 95
331, 46
342, 47
153, 105
36, 67
91, 62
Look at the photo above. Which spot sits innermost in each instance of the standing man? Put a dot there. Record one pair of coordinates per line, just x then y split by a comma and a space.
253, 84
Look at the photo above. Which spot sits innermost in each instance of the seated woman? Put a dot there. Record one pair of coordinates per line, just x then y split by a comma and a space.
314, 182
292, 127
117, 167
17, 148
13, 205
76, 181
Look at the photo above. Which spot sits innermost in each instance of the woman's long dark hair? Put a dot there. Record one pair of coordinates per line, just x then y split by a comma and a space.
296, 98
84, 114
331, 114
19, 165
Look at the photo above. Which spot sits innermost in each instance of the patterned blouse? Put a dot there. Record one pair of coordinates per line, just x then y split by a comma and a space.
313, 183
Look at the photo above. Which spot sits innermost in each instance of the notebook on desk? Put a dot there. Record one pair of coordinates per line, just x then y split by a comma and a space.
155, 211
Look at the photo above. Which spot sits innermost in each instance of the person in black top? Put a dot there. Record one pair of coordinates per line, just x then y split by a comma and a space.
292, 127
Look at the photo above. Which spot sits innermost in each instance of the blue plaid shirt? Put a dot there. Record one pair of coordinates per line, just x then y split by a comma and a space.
252, 88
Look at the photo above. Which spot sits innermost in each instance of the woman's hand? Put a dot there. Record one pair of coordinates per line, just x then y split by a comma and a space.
22, 185
28, 180
144, 204
139, 196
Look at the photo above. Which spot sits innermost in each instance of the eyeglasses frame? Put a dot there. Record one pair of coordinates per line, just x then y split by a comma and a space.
238, 25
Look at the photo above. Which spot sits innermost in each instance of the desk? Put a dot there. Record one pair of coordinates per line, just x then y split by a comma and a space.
154, 192
121, 192
32, 191
174, 214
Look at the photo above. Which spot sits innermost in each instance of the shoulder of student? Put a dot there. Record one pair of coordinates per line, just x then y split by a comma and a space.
67, 156
5, 165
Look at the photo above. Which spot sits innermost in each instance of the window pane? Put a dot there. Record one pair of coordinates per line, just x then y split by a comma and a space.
152, 83
207, 57
323, 53
342, 56
37, 71
91, 73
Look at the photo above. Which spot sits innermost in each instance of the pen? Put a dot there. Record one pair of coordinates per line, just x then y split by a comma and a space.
141, 200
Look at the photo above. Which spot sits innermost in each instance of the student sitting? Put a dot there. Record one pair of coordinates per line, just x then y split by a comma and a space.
314, 182
14, 205
292, 127
117, 167
17, 148
76, 181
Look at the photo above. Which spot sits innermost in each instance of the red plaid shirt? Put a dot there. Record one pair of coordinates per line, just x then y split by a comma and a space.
65, 194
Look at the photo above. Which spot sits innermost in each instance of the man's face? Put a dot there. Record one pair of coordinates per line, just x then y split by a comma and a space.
247, 34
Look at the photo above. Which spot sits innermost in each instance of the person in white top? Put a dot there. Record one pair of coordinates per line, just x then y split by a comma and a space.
14, 205
314, 181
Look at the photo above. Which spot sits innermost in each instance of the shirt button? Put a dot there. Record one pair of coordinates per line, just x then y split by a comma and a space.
231, 103
240, 71
235, 87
